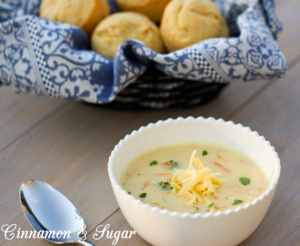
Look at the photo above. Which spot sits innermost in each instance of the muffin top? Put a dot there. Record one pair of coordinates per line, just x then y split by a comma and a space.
116, 28
186, 22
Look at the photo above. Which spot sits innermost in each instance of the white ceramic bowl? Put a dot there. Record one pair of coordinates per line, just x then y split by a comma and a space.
163, 227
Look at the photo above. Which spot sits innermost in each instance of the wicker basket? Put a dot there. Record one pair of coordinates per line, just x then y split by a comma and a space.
157, 90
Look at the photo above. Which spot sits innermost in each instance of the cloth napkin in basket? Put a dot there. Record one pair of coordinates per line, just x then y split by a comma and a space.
51, 58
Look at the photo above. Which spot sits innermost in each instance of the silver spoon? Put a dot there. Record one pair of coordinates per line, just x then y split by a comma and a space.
50, 212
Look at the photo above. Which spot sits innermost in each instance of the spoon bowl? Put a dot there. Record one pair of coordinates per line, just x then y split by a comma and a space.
51, 214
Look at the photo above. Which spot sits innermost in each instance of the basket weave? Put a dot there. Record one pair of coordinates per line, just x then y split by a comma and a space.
157, 90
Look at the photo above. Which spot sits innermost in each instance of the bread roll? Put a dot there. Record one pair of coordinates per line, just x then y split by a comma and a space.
152, 8
85, 14
186, 22
116, 28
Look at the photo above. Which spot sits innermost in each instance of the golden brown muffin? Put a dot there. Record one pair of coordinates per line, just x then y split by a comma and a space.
186, 22
152, 8
85, 14
116, 28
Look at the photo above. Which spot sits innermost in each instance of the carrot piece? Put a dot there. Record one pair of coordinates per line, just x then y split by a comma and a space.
220, 207
155, 203
221, 166
161, 174
166, 164
215, 197
146, 184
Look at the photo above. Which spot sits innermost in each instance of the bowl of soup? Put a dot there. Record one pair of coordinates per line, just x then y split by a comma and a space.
194, 181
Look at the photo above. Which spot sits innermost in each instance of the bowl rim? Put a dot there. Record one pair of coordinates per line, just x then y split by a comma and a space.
147, 206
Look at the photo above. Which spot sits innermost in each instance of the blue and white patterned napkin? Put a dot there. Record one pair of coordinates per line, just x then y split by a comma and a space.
50, 58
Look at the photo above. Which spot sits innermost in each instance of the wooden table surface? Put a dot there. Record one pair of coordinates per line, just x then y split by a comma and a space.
67, 144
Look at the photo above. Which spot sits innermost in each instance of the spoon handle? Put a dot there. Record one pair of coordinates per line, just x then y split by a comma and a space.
85, 243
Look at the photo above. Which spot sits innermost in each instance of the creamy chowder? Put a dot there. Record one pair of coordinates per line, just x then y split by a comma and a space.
213, 179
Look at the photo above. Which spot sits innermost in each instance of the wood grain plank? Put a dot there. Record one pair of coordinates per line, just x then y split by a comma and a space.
288, 40
19, 113
276, 112
116, 222
70, 151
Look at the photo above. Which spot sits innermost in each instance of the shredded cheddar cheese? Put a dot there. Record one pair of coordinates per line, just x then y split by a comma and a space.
197, 183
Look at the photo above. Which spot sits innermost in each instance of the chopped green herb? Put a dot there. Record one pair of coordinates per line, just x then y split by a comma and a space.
173, 163
129, 192
138, 174
196, 210
143, 195
245, 181
165, 185
210, 205
204, 152
124, 183
153, 163
236, 202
